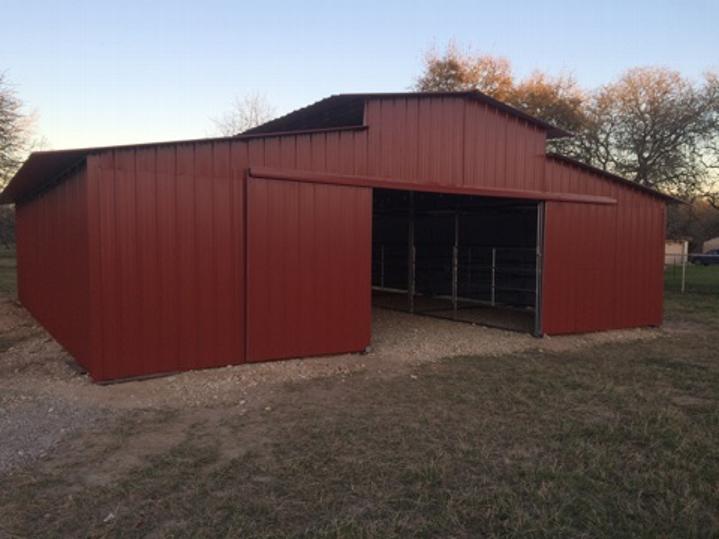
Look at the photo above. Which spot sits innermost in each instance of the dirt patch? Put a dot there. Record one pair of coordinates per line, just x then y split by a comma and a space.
15, 323
36, 376
400, 341
683, 327
30, 426
13, 316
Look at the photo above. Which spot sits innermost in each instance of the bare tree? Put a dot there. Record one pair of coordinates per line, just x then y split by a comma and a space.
247, 112
710, 153
655, 127
15, 131
15, 142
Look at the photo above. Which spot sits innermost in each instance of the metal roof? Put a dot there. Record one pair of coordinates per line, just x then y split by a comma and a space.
614, 177
340, 112
348, 109
43, 168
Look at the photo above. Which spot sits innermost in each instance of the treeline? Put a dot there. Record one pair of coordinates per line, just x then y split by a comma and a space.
652, 125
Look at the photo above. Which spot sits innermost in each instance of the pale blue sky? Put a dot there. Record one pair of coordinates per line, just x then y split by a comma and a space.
110, 72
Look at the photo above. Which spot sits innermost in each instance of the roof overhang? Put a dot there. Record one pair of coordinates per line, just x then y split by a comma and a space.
613, 177
40, 171
347, 109
45, 168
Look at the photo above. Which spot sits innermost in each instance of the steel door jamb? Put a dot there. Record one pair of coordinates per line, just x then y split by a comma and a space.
538, 332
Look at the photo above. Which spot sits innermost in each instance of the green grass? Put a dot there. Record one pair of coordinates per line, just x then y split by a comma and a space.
8, 270
702, 279
697, 308
616, 440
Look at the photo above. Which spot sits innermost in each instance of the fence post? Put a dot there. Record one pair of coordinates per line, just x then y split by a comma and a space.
684, 273
494, 272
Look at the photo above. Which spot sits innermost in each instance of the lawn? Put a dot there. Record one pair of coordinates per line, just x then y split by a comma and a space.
616, 440
8, 279
699, 279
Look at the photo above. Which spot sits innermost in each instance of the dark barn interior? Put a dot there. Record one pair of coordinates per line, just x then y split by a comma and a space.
466, 258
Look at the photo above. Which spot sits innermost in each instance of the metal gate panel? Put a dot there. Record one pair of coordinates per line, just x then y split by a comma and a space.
308, 269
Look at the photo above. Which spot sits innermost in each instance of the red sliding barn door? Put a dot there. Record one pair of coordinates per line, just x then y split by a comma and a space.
308, 269
603, 265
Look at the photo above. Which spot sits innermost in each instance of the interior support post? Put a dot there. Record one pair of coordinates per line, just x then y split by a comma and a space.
455, 264
412, 255
538, 331
381, 270
494, 276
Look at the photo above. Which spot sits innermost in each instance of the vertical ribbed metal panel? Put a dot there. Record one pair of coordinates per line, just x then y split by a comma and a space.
156, 281
308, 260
167, 258
452, 142
603, 266
52, 253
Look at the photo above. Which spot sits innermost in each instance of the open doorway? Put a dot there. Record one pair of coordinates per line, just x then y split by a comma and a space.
466, 258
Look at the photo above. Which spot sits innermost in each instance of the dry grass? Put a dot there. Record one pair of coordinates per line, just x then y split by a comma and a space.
699, 279
621, 439
8, 269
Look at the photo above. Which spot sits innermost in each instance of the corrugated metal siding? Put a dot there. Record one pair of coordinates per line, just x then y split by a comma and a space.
167, 241
603, 265
167, 264
166, 232
454, 142
308, 269
52, 247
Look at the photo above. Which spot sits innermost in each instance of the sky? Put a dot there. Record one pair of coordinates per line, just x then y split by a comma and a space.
104, 72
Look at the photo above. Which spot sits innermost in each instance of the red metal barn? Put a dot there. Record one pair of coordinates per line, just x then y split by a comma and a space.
165, 257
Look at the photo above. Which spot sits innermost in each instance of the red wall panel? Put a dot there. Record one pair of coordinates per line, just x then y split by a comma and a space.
167, 258
166, 234
52, 249
603, 265
452, 141
308, 269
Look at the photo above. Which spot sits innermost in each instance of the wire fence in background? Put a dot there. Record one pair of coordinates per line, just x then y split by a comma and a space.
692, 273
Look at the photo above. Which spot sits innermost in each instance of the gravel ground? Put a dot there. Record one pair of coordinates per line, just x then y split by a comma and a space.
30, 426
43, 399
